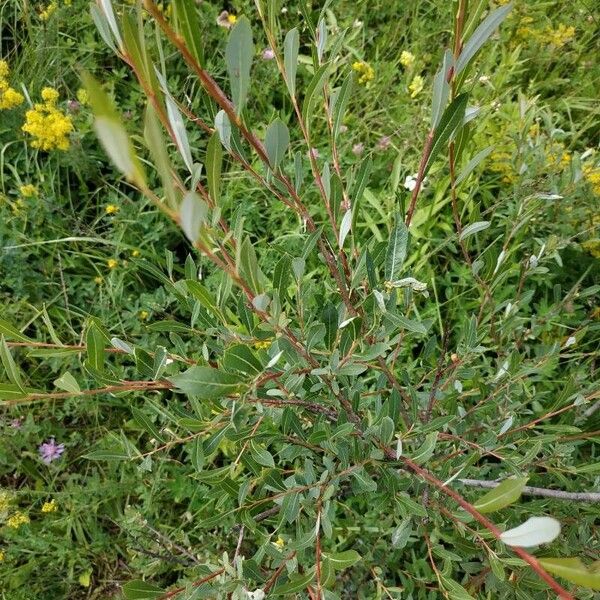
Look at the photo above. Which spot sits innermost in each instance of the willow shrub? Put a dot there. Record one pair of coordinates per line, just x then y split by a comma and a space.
329, 403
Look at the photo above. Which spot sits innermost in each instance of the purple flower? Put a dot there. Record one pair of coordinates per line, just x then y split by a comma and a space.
17, 423
268, 54
358, 149
50, 450
384, 143
313, 153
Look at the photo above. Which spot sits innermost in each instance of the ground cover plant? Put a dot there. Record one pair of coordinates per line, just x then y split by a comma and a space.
299, 300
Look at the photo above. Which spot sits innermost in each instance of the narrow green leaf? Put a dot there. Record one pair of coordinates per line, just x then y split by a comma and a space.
179, 131
141, 590
261, 455
441, 89
291, 46
345, 227
206, 383
214, 166
107, 10
142, 419
277, 140
473, 228
223, 127
238, 57
96, 344
296, 584
472, 164
481, 35
12, 333
241, 358
455, 590
343, 560
112, 133
10, 366
68, 383
188, 26
451, 119
396, 250
248, 267
573, 570
103, 26
506, 493
313, 91
339, 103
425, 452
192, 215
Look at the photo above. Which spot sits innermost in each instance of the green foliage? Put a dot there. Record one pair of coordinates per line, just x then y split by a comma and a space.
269, 358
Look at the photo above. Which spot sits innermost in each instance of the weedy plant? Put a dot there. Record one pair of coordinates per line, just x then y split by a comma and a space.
324, 380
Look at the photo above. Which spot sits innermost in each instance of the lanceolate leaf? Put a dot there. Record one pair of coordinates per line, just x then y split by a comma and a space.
472, 164
396, 250
339, 103
277, 141
314, 90
291, 45
473, 228
451, 119
241, 358
192, 214
214, 165
343, 560
535, 531
481, 35
206, 383
573, 570
188, 26
179, 131
441, 89
506, 493
238, 56
141, 590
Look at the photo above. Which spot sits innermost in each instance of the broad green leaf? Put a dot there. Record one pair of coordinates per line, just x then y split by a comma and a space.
200, 293
425, 452
112, 133
364, 480
506, 493
261, 455
296, 584
473, 228
238, 57
451, 120
68, 383
339, 102
192, 215
291, 45
241, 358
141, 590
455, 590
10, 392
142, 419
14, 375
396, 250
214, 166
277, 140
535, 531
481, 35
573, 570
12, 333
188, 26
343, 560
472, 164
206, 383
441, 89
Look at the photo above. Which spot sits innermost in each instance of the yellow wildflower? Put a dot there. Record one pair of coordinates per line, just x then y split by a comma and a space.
262, 344
2, 556
501, 163
18, 519
9, 97
407, 59
4, 501
416, 86
365, 71
226, 20
144, 314
50, 507
111, 209
135, 253
98, 280
112, 263
560, 36
279, 543
82, 96
593, 247
49, 127
232, 19
28, 190
4, 70
49, 10
592, 175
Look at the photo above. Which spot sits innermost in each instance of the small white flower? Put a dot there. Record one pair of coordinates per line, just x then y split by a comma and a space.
410, 183
570, 341
358, 149
357, 23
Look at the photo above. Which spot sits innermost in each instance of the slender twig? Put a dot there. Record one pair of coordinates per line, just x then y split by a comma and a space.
277, 573
537, 491
197, 583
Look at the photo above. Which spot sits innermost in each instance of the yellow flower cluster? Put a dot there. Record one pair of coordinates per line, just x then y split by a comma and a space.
18, 519
557, 38
2, 556
48, 125
557, 156
112, 263
82, 96
111, 209
416, 86
407, 59
262, 344
4, 502
49, 10
593, 247
50, 507
9, 97
28, 190
592, 175
501, 163
365, 71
